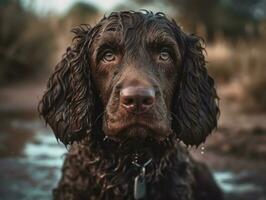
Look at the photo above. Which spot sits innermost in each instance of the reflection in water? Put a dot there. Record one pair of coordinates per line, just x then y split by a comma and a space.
45, 151
34, 169
226, 182
32, 173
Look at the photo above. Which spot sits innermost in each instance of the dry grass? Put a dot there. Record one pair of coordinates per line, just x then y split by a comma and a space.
243, 63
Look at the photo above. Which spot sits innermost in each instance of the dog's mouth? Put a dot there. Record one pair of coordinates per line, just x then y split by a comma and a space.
137, 128
146, 140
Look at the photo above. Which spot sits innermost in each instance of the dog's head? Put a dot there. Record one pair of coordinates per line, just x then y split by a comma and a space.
133, 75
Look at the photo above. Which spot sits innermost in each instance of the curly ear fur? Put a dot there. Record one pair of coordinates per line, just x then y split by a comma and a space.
195, 104
68, 104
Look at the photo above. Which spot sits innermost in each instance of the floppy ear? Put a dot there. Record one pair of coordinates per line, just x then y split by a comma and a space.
68, 104
195, 104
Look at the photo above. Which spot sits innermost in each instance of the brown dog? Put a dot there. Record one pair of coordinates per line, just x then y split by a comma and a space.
123, 96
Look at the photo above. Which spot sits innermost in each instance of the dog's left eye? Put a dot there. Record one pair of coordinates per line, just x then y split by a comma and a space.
108, 56
164, 55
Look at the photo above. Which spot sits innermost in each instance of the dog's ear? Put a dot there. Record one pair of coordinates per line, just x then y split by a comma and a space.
68, 104
195, 104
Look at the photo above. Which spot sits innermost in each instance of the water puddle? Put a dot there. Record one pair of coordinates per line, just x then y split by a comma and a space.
240, 186
32, 172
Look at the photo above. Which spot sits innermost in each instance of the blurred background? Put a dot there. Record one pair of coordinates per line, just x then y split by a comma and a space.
35, 33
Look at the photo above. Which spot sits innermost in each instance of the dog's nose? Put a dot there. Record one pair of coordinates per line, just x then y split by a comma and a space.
137, 99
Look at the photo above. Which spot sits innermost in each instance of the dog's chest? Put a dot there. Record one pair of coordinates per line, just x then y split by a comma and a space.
130, 184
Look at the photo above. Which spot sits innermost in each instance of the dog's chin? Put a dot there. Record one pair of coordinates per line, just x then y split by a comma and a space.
136, 132
141, 140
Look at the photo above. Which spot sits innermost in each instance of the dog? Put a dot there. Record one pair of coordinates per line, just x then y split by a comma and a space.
125, 97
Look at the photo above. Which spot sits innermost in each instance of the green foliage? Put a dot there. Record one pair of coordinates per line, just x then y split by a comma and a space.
80, 13
26, 42
228, 17
232, 18
83, 10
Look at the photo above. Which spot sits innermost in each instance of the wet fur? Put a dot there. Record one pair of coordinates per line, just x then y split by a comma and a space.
96, 168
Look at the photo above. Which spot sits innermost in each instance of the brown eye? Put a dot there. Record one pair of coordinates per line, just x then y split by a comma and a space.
164, 55
108, 56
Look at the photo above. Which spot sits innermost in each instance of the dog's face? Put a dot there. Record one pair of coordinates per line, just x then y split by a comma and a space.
135, 70
138, 74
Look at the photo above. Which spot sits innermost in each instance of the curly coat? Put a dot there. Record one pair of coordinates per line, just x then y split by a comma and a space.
78, 107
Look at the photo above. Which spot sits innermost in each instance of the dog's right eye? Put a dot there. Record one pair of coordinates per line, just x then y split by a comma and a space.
108, 56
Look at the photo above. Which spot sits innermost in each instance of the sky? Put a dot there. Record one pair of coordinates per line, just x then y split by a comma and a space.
61, 6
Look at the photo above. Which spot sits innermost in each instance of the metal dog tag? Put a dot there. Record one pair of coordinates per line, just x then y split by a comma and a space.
139, 187
139, 181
